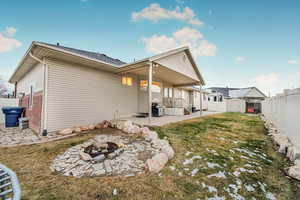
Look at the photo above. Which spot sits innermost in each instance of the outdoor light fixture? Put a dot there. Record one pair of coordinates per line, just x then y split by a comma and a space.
126, 80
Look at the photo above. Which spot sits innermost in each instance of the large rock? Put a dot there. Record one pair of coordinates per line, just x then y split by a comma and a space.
126, 126
282, 141
99, 158
135, 130
92, 127
120, 124
66, 131
145, 131
294, 172
156, 163
168, 150
164, 147
152, 135
293, 153
84, 128
85, 156
99, 126
77, 129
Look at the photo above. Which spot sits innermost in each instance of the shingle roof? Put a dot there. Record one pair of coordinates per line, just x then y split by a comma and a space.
223, 90
90, 54
239, 93
233, 92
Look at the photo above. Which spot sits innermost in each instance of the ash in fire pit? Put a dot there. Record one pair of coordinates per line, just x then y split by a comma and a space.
101, 149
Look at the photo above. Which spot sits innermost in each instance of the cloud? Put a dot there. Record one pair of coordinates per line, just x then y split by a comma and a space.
183, 37
239, 59
274, 83
8, 44
10, 31
293, 62
155, 13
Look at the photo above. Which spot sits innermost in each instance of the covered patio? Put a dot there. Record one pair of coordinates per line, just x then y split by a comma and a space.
168, 72
161, 121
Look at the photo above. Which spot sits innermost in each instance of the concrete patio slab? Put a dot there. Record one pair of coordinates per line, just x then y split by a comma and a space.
160, 121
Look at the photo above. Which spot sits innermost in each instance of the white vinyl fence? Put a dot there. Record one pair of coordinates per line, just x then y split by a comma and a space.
228, 105
217, 106
6, 102
236, 105
283, 111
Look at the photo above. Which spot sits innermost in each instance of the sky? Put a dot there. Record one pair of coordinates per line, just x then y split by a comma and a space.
235, 43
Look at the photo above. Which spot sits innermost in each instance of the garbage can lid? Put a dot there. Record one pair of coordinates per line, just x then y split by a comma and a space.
10, 108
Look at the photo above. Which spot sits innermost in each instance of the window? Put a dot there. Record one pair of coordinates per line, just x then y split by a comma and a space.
168, 92
30, 100
127, 81
215, 98
155, 86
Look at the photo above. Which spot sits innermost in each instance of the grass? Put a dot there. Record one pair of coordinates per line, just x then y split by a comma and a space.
228, 141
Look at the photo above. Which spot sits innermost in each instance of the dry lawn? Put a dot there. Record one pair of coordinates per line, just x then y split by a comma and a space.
227, 143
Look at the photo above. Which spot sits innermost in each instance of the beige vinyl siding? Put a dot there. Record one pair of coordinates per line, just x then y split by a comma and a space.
81, 95
179, 62
33, 78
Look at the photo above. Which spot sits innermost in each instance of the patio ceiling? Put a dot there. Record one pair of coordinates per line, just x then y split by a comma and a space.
161, 73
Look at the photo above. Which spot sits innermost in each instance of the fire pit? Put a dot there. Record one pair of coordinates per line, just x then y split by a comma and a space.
106, 155
100, 151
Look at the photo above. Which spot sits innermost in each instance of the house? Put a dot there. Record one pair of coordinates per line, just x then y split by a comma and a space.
245, 100
62, 87
252, 97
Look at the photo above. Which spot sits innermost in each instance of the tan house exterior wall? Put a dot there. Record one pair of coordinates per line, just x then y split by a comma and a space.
80, 95
34, 77
34, 113
179, 62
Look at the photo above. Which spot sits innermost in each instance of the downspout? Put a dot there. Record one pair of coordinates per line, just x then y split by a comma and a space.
44, 102
200, 93
150, 74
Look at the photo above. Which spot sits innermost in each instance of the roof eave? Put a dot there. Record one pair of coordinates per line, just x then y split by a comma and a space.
11, 79
34, 44
75, 54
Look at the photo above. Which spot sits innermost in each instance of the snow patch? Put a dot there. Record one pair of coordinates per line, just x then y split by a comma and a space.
218, 175
213, 165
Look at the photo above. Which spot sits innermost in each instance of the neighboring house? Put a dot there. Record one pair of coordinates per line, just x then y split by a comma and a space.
252, 97
246, 100
64, 87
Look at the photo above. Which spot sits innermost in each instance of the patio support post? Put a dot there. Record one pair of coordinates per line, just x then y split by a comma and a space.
173, 99
200, 93
150, 92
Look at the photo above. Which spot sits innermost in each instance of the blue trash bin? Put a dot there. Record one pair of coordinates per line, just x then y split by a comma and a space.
12, 115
